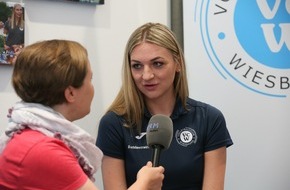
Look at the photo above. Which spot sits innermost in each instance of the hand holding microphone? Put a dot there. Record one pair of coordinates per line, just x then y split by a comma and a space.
159, 135
149, 177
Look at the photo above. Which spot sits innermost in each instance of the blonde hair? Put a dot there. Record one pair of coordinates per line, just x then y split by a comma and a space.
129, 102
44, 70
14, 22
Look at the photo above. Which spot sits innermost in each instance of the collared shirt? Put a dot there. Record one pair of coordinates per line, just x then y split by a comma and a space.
197, 130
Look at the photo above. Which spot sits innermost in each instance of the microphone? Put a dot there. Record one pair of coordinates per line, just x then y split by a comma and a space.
159, 135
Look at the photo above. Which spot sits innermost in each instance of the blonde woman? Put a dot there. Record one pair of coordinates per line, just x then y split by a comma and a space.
154, 82
14, 29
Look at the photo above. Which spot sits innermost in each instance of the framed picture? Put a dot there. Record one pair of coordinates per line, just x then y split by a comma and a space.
96, 2
11, 30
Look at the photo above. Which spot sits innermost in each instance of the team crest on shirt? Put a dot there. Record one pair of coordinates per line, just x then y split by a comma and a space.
186, 136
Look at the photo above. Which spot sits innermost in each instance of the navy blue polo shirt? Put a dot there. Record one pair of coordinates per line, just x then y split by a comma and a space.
197, 130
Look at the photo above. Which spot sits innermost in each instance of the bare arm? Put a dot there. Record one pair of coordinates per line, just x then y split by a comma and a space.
113, 171
89, 185
214, 170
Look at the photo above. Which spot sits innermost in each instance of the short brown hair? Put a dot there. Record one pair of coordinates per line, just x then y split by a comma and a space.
44, 70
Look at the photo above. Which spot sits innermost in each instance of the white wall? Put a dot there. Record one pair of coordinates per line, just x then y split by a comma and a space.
102, 29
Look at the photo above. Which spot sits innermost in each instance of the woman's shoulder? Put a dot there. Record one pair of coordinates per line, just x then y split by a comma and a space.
31, 145
207, 107
110, 116
111, 119
37, 142
30, 138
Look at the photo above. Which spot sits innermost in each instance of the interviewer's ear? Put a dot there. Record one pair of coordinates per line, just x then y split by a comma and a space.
70, 94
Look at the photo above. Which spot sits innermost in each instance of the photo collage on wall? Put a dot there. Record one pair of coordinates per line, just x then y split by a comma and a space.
11, 30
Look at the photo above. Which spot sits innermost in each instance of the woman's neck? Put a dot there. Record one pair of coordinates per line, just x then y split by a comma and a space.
163, 105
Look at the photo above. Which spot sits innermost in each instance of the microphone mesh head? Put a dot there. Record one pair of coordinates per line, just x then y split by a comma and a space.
159, 131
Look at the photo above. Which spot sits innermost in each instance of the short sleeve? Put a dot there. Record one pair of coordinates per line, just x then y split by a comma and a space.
110, 136
52, 165
217, 133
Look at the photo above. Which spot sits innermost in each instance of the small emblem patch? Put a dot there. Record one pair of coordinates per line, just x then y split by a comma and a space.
186, 136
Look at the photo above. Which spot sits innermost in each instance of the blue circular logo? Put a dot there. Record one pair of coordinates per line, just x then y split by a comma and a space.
249, 42
262, 28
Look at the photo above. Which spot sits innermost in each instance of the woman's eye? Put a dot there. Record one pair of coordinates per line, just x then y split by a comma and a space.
136, 65
158, 64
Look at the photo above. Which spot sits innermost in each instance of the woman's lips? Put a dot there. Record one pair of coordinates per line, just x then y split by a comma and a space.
150, 87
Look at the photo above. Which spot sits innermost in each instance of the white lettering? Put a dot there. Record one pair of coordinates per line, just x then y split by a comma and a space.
266, 10
268, 30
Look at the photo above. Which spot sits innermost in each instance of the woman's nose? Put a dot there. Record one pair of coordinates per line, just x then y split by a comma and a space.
147, 74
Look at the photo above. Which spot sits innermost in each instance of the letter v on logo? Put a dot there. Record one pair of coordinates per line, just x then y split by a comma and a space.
267, 12
269, 28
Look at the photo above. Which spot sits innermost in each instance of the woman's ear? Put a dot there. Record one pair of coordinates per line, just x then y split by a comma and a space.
69, 94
